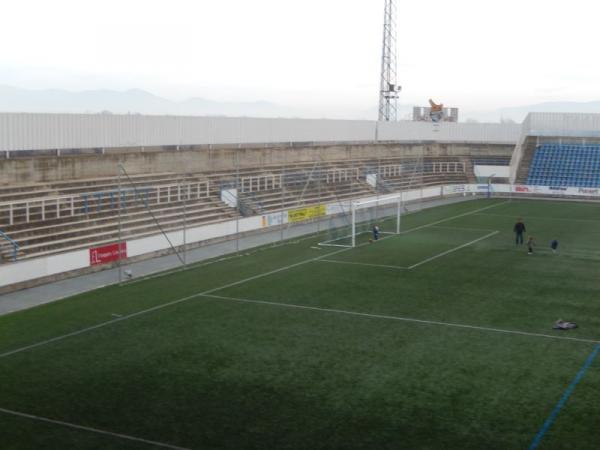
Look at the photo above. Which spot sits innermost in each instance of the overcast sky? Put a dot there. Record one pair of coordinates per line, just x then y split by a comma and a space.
315, 54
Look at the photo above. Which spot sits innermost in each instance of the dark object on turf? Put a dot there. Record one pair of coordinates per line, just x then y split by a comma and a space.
554, 245
564, 325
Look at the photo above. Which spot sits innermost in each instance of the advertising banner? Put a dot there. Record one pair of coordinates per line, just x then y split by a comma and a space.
271, 220
299, 215
107, 253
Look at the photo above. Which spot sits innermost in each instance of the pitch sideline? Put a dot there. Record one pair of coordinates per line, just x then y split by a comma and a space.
402, 319
89, 429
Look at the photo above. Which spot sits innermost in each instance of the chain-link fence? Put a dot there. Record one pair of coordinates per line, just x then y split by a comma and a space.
243, 202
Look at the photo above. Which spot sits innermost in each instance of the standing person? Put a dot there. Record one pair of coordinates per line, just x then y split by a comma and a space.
530, 244
375, 232
519, 229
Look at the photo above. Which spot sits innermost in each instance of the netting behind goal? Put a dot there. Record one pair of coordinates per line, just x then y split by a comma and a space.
356, 221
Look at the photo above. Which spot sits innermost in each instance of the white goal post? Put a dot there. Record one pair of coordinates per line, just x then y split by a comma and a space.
368, 213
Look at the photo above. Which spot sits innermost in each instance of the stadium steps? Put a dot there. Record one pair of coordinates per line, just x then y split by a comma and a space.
523, 170
35, 215
22, 233
58, 234
107, 238
7, 251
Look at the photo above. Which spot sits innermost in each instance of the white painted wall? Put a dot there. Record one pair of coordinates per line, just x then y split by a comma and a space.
29, 131
488, 171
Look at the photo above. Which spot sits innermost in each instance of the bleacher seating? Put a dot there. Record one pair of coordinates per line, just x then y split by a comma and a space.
565, 165
47, 218
491, 161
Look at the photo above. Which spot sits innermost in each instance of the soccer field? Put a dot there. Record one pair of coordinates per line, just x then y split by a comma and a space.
437, 338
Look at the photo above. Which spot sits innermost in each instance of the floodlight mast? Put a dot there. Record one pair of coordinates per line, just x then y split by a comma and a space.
388, 88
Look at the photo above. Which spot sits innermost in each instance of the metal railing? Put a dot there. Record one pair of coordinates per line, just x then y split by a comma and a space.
20, 211
12, 242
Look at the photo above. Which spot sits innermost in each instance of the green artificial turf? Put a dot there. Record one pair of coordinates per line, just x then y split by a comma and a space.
455, 353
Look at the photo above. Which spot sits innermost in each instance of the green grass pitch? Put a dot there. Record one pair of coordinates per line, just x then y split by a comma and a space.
437, 338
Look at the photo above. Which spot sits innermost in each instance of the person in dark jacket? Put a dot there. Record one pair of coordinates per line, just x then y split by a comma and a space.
519, 229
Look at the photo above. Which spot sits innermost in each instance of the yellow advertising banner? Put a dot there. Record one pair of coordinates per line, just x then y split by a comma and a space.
299, 215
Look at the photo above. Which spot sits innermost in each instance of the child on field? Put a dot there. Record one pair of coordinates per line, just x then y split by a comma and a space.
375, 232
530, 244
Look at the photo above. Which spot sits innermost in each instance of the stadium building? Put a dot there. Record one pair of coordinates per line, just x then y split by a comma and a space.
282, 283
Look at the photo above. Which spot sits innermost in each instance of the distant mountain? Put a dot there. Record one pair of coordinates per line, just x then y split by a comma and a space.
131, 101
137, 101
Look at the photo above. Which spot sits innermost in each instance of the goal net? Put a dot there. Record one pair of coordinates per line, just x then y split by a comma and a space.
355, 224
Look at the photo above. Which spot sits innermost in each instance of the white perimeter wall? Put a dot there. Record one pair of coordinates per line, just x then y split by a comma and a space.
28, 131
489, 171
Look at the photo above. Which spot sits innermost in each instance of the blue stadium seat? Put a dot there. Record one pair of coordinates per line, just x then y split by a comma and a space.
565, 165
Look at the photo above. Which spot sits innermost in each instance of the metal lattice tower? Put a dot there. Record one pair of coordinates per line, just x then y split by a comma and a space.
388, 91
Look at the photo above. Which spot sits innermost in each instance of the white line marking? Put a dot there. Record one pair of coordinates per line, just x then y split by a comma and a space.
161, 306
452, 250
361, 264
333, 245
90, 429
461, 228
453, 217
184, 299
402, 319
541, 217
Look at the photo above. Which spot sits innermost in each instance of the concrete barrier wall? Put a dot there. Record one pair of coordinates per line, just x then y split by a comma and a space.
52, 168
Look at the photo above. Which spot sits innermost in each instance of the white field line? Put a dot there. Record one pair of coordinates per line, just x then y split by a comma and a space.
89, 429
452, 250
402, 319
332, 245
161, 306
361, 264
461, 228
475, 211
540, 217
184, 299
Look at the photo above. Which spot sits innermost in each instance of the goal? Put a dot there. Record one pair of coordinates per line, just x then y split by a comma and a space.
354, 225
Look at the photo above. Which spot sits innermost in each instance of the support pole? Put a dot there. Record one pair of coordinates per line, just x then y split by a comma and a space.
353, 225
398, 214
185, 227
120, 245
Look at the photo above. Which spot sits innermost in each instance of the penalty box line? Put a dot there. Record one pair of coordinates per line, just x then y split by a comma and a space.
452, 250
400, 318
385, 266
210, 291
414, 266
432, 224
89, 429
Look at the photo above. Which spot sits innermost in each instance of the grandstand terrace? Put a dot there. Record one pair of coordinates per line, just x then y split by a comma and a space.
62, 189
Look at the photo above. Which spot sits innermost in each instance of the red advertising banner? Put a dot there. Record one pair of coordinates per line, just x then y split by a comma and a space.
107, 253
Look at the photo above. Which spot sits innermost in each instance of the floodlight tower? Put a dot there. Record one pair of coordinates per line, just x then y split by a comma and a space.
388, 90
